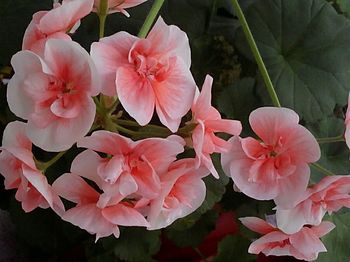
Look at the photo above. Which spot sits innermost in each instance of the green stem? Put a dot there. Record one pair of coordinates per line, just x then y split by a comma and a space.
43, 166
102, 15
334, 139
322, 169
257, 56
150, 18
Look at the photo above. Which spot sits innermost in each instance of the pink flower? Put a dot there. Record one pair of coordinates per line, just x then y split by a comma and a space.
347, 124
118, 5
148, 73
182, 192
304, 244
209, 121
330, 194
55, 23
133, 167
54, 94
277, 166
18, 168
88, 214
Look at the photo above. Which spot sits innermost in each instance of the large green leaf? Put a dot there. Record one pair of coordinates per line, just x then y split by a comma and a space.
337, 241
334, 156
305, 46
234, 248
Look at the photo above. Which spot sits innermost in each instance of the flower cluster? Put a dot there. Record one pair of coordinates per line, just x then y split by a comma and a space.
62, 92
67, 97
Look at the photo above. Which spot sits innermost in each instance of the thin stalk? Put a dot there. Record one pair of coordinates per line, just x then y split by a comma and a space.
157, 5
43, 166
334, 139
256, 53
322, 169
102, 15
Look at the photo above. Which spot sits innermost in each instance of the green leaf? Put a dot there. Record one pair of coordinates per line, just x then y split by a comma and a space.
134, 244
337, 241
238, 100
344, 6
334, 156
305, 46
194, 235
234, 247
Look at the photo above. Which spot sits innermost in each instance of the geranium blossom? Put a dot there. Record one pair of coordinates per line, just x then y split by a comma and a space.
54, 93
277, 166
19, 170
209, 121
148, 73
88, 214
118, 5
330, 194
133, 167
182, 192
55, 23
304, 244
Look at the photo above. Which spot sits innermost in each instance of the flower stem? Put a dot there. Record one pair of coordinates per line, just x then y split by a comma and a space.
323, 170
257, 56
102, 15
334, 139
43, 166
150, 18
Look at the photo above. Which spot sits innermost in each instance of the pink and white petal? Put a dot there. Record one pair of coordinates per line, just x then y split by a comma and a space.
111, 169
66, 107
301, 145
23, 155
25, 63
89, 218
85, 165
265, 243
323, 229
127, 184
292, 220
175, 90
267, 122
198, 141
73, 188
208, 163
165, 119
307, 243
32, 33
60, 135
257, 225
292, 187
107, 142
128, 3
202, 103
109, 55
14, 136
64, 17
135, 94
232, 127
170, 41
347, 135
147, 180
9, 169
123, 215
160, 153
69, 61
235, 152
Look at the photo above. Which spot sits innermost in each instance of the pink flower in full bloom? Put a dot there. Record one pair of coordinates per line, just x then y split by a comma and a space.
330, 194
347, 124
209, 121
275, 167
54, 93
133, 167
304, 244
88, 214
118, 5
148, 73
182, 192
18, 168
55, 23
